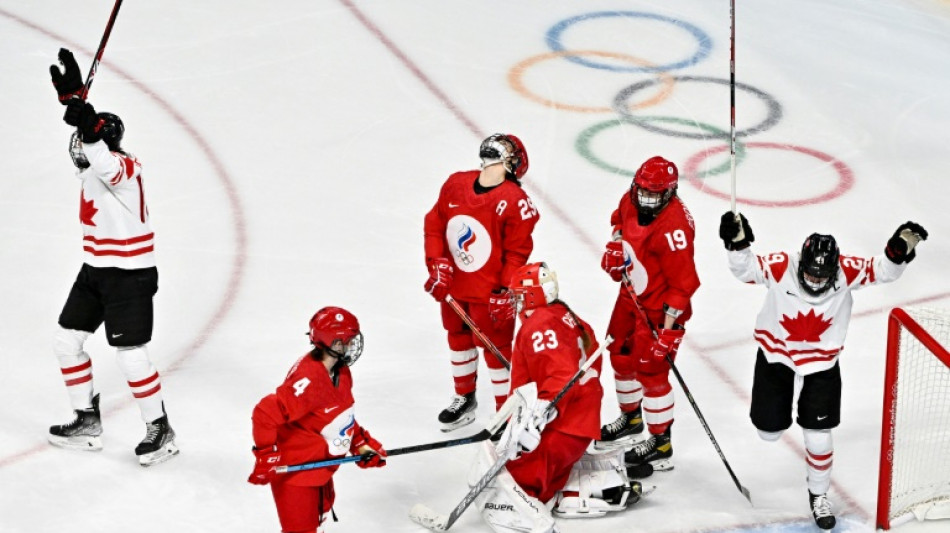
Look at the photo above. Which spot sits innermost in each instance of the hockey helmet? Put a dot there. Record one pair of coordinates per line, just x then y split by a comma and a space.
338, 331
654, 184
506, 149
533, 285
818, 263
112, 131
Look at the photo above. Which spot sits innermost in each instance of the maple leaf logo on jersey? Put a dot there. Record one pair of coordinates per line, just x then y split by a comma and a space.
87, 210
805, 328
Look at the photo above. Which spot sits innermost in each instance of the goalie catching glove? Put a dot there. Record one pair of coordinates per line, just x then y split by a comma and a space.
900, 247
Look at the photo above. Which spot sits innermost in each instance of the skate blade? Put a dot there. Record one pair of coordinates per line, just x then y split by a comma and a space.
83, 443
662, 465
159, 456
466, 419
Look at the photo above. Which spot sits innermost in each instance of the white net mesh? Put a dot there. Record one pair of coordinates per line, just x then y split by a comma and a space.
921, 434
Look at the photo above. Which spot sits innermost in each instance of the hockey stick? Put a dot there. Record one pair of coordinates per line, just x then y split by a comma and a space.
495, 423
102, 47
476, 330
426, 517
689, 396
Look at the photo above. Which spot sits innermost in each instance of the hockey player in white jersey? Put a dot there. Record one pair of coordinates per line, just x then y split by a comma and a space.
116, 282
801, 330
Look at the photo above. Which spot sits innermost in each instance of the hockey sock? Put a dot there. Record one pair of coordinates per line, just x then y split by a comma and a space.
820, 448
75, 365
464, 368
629, 392
657, 402
144, 381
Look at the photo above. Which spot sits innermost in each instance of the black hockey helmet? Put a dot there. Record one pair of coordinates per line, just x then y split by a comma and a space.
112, 131
818, 264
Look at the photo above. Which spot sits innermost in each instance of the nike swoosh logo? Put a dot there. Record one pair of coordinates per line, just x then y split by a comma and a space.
453, 205
117, 335
328, 409
822, 417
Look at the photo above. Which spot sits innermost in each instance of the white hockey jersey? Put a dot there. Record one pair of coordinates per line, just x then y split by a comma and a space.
804, 332
112, 210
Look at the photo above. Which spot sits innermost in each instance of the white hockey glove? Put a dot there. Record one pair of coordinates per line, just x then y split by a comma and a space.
530, 438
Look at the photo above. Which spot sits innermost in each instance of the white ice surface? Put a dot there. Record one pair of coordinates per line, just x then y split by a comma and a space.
290, 151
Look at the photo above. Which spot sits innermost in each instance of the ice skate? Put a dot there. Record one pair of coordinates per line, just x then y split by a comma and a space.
460, 413
622, 432
159, 443
821, 511
656, 450
82, 433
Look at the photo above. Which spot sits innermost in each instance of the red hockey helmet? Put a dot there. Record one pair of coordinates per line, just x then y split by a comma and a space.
654, 184
533, 285
337, 330
507, 149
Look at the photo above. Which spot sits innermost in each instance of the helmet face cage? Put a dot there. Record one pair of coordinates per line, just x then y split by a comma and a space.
654, 185
337, 331
507, 150
76, 153
533, 285
818, 263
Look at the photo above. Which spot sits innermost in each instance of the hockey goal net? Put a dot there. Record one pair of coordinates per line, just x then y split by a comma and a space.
915, 431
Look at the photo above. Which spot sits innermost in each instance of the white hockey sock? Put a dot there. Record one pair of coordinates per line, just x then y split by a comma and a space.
75, 365
629, 393
143, 379
820, 451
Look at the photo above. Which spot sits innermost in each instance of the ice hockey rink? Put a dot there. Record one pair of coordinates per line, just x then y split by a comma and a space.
290, 150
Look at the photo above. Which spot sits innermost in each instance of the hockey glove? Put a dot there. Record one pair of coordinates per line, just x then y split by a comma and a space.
440, 278
83, 116
68, 83
735, 234
530, 438
614, 262
667, 343
500, 307
900, 247
364, 443
267, 460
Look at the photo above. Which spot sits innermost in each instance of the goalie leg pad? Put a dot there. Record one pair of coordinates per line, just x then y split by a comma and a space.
598, 484
507, 508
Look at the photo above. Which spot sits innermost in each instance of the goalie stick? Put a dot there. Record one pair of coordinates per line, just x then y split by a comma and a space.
476, 330
494, 425
428, 518
689, 396
102, 48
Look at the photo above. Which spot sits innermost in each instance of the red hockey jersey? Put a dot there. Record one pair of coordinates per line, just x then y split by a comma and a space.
308, 418
549, 351
488, 235
660, 254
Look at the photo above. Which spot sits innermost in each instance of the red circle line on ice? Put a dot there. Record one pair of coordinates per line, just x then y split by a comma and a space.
845, 175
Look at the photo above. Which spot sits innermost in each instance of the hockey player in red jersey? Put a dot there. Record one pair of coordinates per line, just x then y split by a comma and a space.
801, 331
476, 235
652, 254
116, 282
551, 346
311, 417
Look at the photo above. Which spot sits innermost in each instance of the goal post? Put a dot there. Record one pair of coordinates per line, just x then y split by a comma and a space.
914, 471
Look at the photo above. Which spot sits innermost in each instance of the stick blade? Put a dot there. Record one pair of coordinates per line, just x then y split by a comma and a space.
427, 518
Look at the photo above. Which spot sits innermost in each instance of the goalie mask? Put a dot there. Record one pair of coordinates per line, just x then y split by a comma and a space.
818, 264
533, 285
336, 330
506, 149
653, 185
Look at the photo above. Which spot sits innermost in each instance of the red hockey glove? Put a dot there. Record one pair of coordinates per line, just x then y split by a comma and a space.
68, 82
440, 278
500, 307
364, 443
613, 261
666, 343
267, 459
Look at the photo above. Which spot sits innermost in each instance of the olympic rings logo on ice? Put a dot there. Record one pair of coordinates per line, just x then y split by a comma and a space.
660, 89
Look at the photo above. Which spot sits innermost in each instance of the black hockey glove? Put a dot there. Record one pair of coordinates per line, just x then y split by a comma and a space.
69, 82
900, 247
83, 116
735, 234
